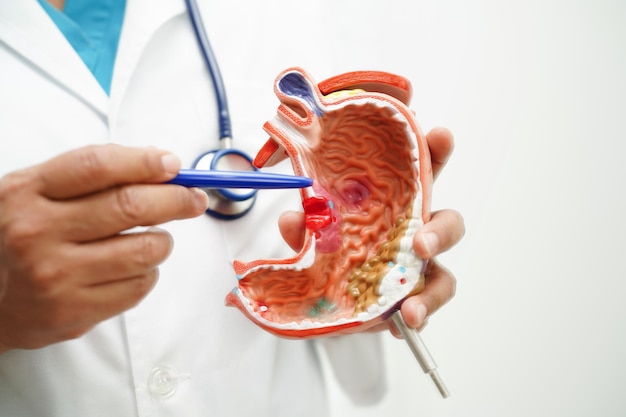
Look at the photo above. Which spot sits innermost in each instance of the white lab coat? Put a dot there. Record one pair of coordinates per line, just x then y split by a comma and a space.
181, 352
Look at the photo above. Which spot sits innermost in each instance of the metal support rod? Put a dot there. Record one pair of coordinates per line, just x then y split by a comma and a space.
426, 361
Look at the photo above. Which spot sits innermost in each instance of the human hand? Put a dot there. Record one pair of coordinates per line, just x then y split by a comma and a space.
65, 262
443, 231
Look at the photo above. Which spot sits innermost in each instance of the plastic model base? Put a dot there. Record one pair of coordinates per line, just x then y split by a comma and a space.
356, 138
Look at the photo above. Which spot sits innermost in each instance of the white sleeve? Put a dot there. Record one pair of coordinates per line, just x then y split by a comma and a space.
358, 365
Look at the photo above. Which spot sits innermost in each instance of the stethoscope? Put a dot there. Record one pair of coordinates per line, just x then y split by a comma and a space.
225, 204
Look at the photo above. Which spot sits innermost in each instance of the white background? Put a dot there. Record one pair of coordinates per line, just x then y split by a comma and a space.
535, 94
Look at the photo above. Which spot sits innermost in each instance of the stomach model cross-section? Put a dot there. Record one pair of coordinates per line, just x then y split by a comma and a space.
356, 138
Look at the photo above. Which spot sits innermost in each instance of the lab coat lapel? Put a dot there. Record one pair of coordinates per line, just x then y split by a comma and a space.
39, 41
138, 30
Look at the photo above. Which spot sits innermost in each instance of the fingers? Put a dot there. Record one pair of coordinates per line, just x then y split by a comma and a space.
444, 230
64, 260
291, 225
80, 286
90, 306
99, 167
440, 288
117, 259
126, 271
441, 144
116, 297
3, 284
52, 322
118, 209
99, 191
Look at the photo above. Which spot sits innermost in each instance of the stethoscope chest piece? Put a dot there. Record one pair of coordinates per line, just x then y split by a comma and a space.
227, 204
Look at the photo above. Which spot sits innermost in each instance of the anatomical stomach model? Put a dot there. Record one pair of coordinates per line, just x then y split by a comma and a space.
356, 138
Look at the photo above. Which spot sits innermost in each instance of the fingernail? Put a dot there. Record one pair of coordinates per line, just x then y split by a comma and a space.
171, 163
201, 200
420, 312
430, 241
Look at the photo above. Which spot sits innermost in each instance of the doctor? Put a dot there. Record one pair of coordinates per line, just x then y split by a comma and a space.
99, 317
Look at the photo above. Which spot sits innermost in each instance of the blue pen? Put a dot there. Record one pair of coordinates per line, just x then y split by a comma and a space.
238, 179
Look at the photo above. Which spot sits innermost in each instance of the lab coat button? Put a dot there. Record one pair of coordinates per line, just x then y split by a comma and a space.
162, 382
